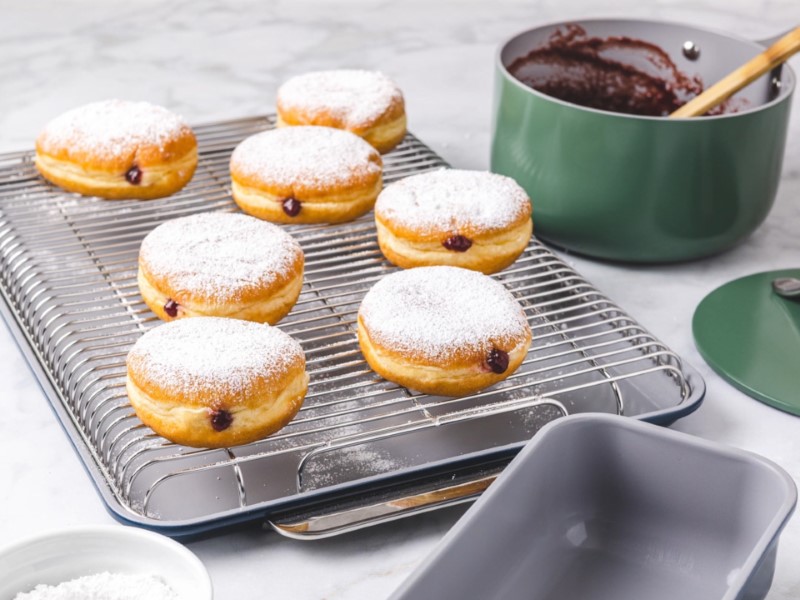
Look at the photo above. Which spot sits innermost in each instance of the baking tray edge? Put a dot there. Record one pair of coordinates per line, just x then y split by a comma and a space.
364, 489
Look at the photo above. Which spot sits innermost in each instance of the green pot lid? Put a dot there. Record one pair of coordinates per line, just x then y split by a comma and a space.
751, 336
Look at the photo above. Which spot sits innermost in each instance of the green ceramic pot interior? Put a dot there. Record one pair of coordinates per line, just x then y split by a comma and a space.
644, 189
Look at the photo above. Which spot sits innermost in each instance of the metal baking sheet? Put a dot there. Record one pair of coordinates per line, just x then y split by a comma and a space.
68, 281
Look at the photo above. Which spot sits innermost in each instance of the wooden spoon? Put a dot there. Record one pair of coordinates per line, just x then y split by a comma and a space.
770, 58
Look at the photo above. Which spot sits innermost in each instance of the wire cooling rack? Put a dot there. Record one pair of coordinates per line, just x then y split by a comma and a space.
68, 278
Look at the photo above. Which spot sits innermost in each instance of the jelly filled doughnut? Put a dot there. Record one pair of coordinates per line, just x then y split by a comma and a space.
366, 103
220, 264
214, 383
306, 175
117, 149
471, 219
442, 330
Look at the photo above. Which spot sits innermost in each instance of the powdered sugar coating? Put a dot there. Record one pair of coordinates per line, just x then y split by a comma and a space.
212, 357
435, 312
356, 98
219, 257
112, 129
453, 200
303, 156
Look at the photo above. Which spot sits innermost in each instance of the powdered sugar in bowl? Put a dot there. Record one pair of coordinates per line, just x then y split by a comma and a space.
68, 554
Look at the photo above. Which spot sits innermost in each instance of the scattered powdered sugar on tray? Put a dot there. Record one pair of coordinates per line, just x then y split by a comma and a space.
356, 98
348, 464
104, 586
219, 256
318, 156
434, 311
454, 199
205, 356
112, 128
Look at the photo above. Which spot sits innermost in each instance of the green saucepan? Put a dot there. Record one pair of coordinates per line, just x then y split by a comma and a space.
636, 188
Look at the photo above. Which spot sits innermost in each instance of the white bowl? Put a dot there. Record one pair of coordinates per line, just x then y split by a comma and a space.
53, 558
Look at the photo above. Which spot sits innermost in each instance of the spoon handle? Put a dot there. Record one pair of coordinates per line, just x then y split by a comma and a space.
770, 58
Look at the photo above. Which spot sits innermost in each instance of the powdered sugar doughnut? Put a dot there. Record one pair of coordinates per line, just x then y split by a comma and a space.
442, 330
471, 219
215, 383
118, 149
366, 103
220, 264
306, 175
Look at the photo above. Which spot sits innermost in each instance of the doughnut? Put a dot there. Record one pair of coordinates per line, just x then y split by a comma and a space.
442, 330
366, 103
220, 264
214, 383
306, 175
471, 219
117, 149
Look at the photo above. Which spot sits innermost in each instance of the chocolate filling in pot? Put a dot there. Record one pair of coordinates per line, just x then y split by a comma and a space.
617, 74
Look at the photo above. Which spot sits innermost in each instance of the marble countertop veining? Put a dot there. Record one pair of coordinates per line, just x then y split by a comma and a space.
211, 60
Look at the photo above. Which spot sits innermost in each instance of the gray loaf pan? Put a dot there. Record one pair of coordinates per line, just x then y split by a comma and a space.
599, 507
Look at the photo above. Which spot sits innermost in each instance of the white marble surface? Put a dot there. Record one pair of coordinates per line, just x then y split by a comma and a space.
211, 60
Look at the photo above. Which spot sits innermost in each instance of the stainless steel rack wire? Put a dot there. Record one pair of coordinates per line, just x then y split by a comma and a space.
68, 278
